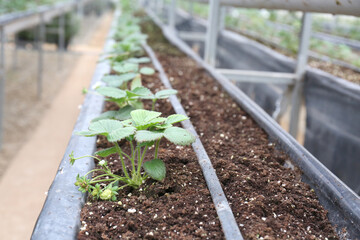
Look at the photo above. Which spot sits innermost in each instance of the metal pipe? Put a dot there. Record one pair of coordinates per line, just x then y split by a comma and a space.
80, 9
15, 52
212, 32
2, 81
161, 9
192, 36
345, 7
61, 46
41, 37
297, 95
172, 14
257, 76
191, 8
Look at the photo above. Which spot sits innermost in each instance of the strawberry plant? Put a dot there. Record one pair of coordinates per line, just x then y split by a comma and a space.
143, 130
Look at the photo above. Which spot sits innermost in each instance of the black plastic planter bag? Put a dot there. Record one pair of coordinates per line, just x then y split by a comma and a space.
333, 125
332, 104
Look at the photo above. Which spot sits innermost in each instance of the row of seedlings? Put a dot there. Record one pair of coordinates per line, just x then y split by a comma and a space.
129, 145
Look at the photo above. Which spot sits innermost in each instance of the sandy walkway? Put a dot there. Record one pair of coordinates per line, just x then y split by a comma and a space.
26, 180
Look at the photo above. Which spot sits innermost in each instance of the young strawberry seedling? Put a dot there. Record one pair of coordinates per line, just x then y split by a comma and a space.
143, 130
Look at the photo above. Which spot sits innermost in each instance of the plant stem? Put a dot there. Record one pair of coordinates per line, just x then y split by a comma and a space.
86, 157
156, 148
94, 170
153, 104
118, 149
104, 180
132, 157
99, 176
141, 160
125, 155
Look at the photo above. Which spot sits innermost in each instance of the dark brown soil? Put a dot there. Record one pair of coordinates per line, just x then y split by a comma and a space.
269, 201
179, 208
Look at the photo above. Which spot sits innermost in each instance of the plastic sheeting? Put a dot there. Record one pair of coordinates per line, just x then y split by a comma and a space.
332, 104
333, 125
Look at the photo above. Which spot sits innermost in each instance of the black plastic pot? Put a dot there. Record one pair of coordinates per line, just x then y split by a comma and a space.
342, 203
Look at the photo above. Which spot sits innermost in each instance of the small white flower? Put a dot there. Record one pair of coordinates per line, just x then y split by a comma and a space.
102, 162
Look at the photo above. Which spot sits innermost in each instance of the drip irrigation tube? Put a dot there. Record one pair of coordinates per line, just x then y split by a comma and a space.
226, 216
341, 202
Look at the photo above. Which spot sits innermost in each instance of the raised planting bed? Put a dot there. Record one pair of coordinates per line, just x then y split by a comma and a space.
268, 199
329, 100
157, 207
244, 152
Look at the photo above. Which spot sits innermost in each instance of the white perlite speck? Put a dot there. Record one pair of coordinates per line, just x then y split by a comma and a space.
131, 210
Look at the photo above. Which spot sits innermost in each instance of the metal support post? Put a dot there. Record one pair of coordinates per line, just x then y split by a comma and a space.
297, 95
80, 9
222, 18
41, 38
15, 52
155, 6
2, 81
61, 43
212, 32
161, 9
191, 8
172, 15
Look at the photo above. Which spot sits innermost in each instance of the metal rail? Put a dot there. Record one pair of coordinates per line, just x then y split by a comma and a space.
344, 7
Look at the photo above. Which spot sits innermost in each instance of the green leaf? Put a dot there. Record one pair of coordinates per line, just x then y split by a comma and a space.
142, 91
105, 126
155, 169
138, 92
105, 115
118, 80
89, 133
139, 60
122, 114
126, 67
175, 118
145, 144
143, 117
120, 133
127, 122
136, 82
165, 93
179, 136
106, 152
164, 126
111, 92
147, 136
147, 71
157, 120
136, 104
